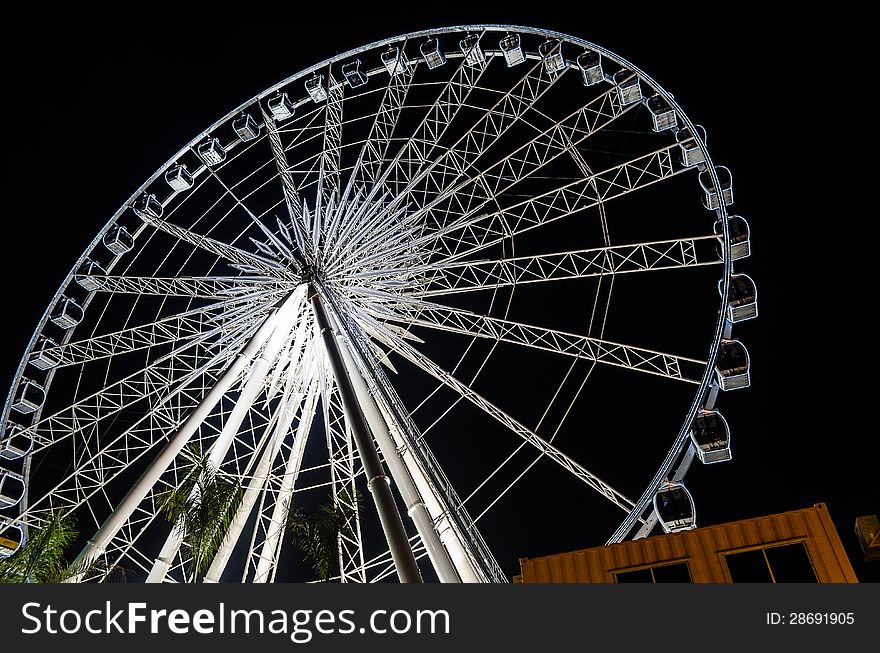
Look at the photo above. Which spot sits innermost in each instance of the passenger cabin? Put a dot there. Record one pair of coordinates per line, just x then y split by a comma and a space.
431, 53
42, 357
67, 313
87, 270
280, 106
179, 178
147, 205
211, 152
711, 437
691, 154
11, 488
246, 127
29, 398
353, 75
739, 236
512, 50
662, 114
712, 200
11, 537
674, 507
742, 301
732, 366
590, 64
473, 53
395, 61
551, 52
16, 443
629, 89
118, 240
315, 88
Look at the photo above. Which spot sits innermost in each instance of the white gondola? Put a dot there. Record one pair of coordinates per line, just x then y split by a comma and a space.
675, 508
732, 366
315, 88
590, 64
11, 488
211, 152
512, 50
395, 61
178, 178
691, 154
118, 240
29, 398
711, 437
551, 52
662, 114
280, 106
473, 53
147, 205
711, 199
67, 313
353, 75
246, 127
43, 358
742, 302
11, 537
430, 50
629, 88
16, 443
87, 270
740, 246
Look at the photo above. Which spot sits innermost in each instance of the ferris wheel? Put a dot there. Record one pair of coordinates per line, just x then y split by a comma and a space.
413, 282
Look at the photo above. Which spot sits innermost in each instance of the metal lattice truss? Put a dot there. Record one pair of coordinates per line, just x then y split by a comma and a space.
414, 198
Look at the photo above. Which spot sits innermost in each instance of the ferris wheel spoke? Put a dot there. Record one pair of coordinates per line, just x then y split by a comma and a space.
291, 197
169, 401
468, 276
149, 384
328, 177
243, 260
460, 200
278, 250
369, 162
648, 361
197, 287
213, 320
442, 172
526, 434
413, 153
469, 235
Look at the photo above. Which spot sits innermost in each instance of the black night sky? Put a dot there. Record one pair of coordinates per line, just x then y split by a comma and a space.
98, 102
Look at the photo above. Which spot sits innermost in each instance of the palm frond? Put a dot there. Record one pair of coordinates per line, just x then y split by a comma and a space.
203, 506
41, 558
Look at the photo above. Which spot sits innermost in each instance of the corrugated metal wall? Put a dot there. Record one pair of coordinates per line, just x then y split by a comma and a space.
702, 548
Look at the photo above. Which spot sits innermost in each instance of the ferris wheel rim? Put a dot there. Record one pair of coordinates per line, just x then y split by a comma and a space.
680, 442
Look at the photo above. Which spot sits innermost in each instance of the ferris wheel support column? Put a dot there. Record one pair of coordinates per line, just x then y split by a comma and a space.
258, 480
98, 544
415, 505
268, 553
378, 483
262, 364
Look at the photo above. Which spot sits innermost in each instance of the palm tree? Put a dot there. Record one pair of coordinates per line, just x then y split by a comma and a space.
203, 506
316, 535
41, 558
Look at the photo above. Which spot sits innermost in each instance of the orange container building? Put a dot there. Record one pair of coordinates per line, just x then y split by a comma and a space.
796, 546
